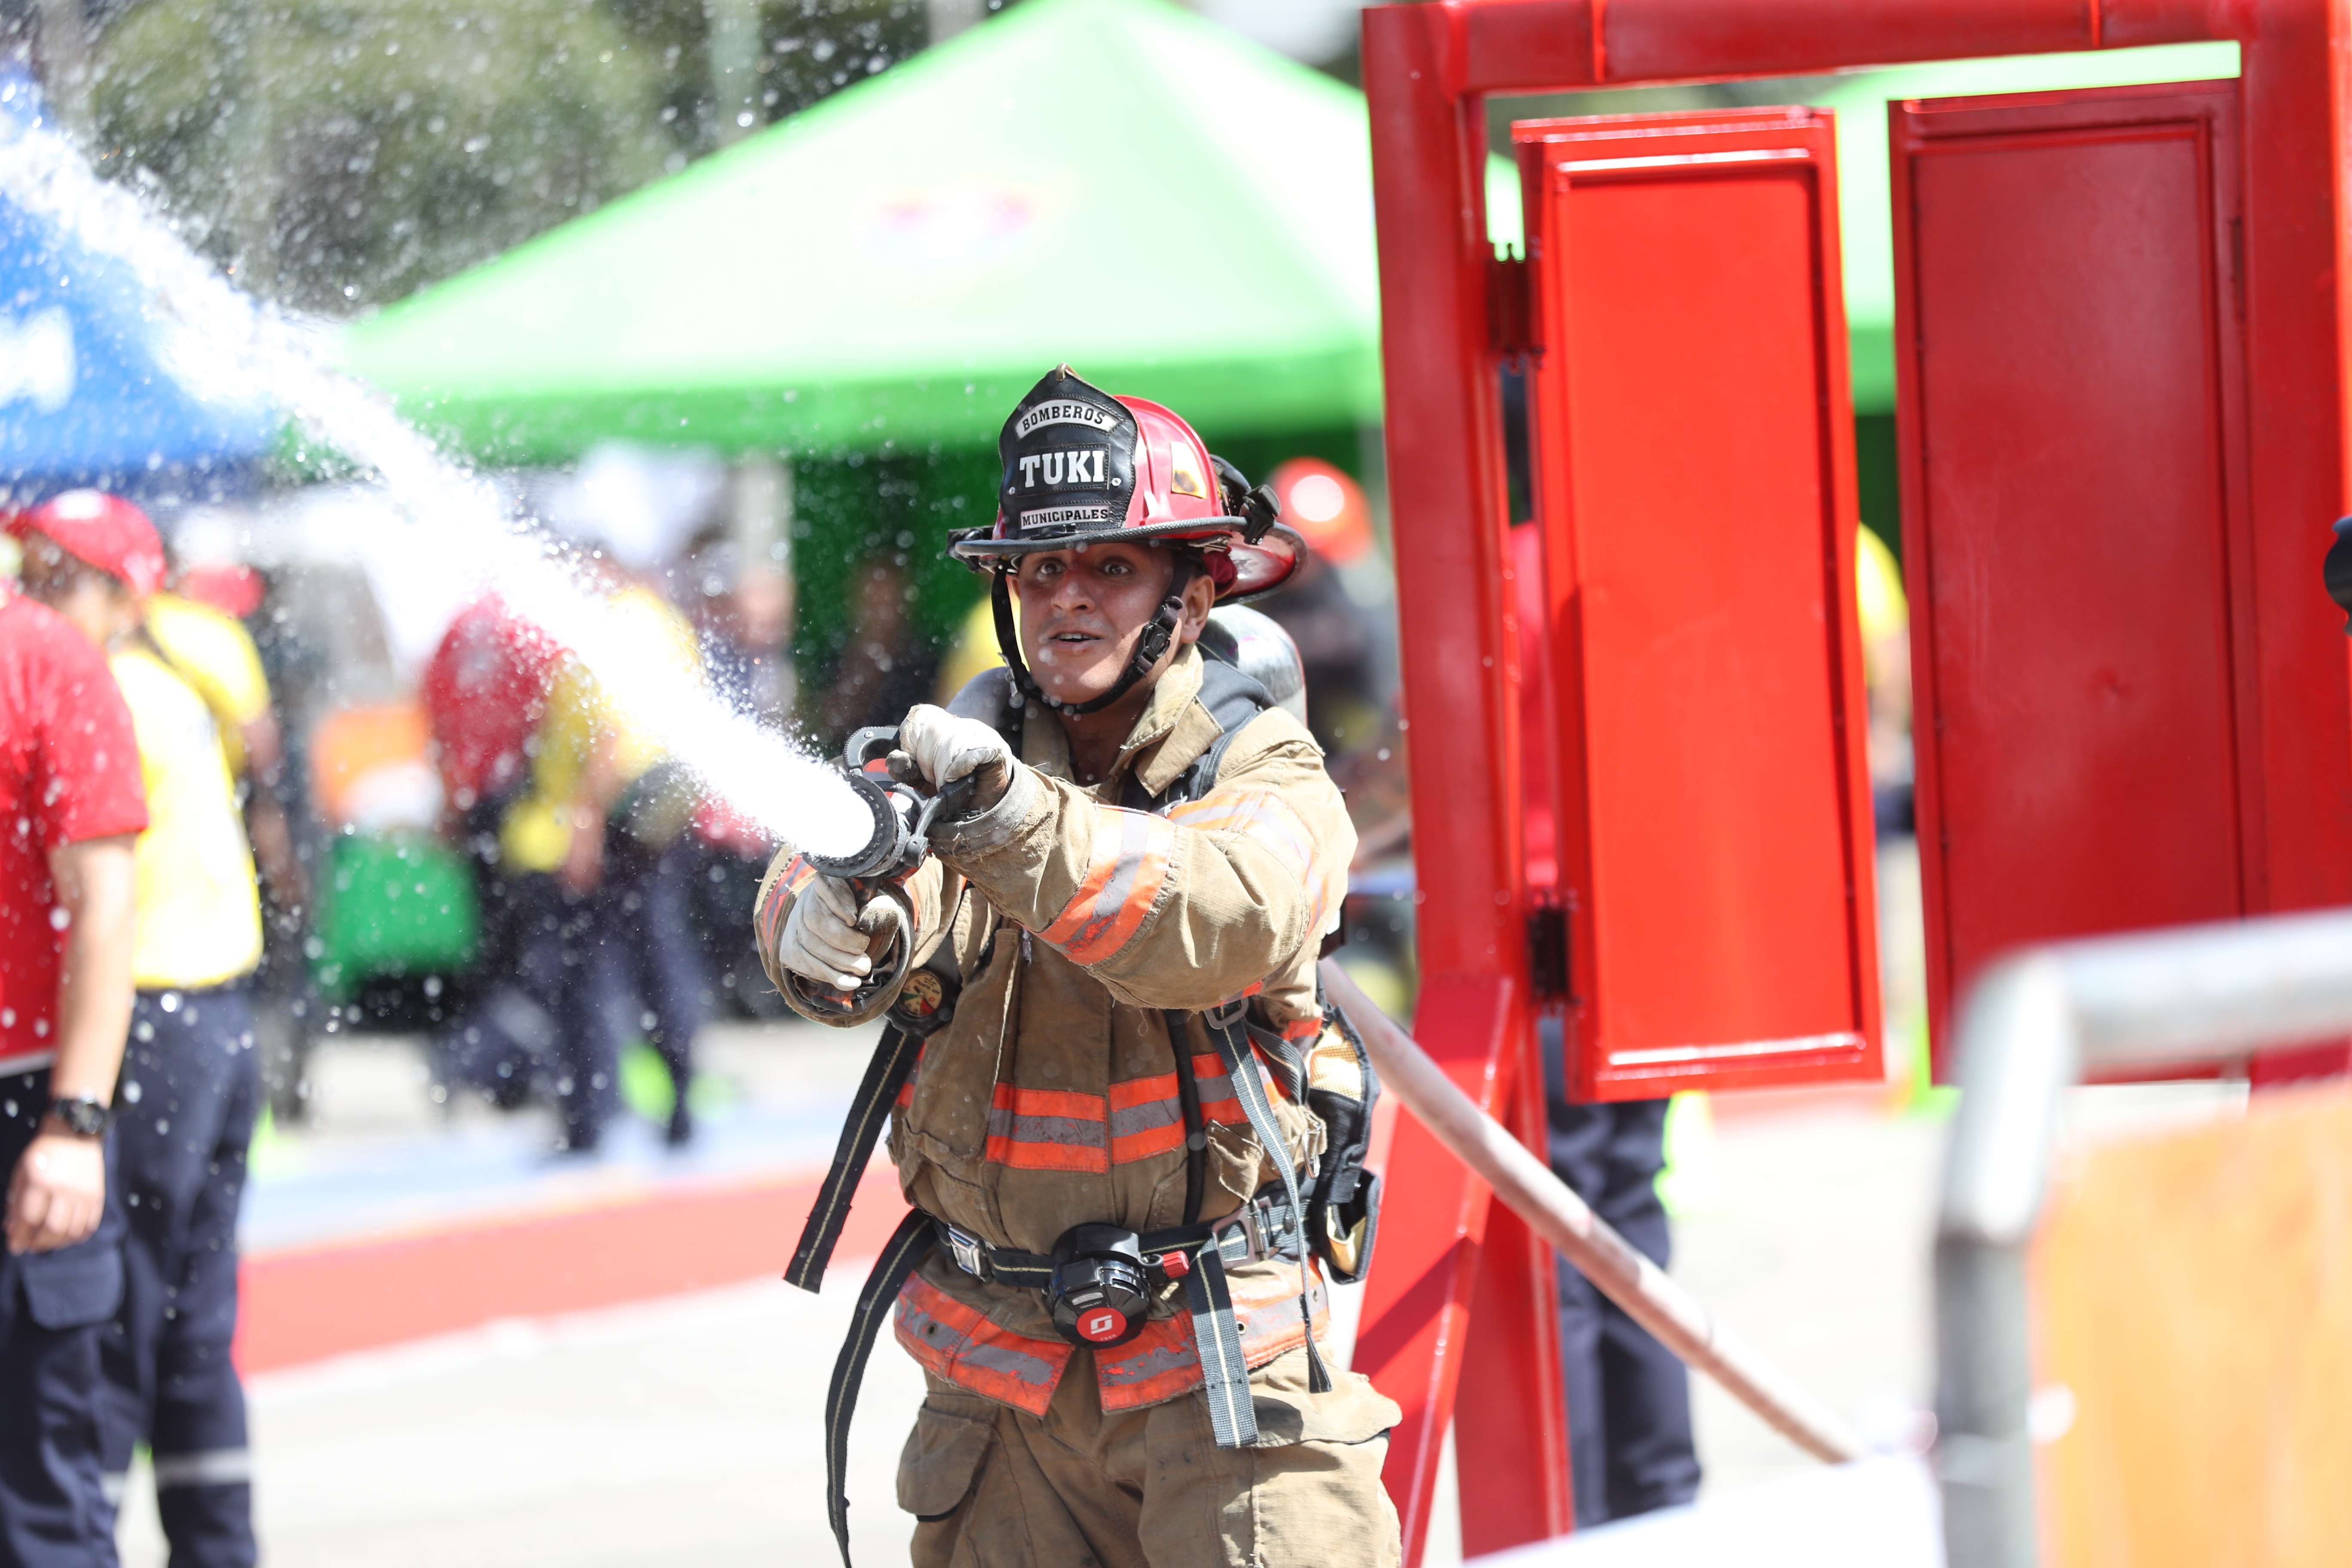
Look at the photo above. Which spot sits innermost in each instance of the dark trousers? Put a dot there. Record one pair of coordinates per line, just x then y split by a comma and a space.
1629, 1421
645, 971
54, 1307
589, 972
190, 1093
508, 1043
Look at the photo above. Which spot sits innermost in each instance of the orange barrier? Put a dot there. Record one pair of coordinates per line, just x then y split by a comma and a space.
2196, 1303
307, 1304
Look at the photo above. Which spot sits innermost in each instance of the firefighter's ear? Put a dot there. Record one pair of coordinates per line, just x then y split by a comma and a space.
1200, 597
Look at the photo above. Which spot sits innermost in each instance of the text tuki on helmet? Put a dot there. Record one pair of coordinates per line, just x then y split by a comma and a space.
1082, 466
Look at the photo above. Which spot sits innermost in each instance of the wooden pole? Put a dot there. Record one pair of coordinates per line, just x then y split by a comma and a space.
1526, 1185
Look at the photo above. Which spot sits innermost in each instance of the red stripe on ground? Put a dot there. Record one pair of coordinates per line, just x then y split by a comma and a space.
310, 1303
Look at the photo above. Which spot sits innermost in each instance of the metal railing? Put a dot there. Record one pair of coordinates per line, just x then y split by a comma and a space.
2186, 997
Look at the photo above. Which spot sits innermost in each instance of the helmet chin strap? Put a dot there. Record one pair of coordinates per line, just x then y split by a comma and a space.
1151, 647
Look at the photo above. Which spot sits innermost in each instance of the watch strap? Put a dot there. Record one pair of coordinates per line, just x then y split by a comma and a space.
85, 1115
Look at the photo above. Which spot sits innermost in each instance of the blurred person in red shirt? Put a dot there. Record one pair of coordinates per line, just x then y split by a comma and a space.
1349, 705
484, 690
71, 796
484, 693
190, 1084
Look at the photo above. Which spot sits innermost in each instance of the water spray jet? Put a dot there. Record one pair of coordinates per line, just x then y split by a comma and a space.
222, 339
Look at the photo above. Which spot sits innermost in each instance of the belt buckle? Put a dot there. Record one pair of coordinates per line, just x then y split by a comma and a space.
970, 1255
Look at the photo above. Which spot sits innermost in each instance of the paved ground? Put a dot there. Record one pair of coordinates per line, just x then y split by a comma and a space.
687, 1431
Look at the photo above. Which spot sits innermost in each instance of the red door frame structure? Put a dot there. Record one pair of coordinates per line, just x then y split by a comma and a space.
1695, 494
1459, 1285
2097, 584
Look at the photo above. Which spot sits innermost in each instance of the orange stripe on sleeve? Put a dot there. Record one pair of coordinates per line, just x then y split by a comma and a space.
1123, 880
1259, 816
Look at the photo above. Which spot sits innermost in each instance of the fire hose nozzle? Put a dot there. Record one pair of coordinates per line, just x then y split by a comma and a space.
884, 779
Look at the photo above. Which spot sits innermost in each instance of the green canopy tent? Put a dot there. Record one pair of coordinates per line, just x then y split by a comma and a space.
1114, 182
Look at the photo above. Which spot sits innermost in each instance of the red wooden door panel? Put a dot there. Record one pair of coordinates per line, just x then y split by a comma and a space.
2075, 523
1695, 490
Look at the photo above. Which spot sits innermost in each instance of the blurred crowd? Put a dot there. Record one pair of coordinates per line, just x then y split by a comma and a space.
460, 835
309, 834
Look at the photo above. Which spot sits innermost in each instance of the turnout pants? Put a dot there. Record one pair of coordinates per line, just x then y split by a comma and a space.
995, 1488
54, 1307
191, 1091
1628, 1424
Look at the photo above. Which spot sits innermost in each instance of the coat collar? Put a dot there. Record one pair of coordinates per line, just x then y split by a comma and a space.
1172, 732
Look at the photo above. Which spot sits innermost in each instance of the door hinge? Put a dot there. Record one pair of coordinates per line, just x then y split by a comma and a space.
1548, 971
1510, 308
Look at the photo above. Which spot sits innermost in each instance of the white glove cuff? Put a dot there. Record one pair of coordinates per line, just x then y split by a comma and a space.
993, 828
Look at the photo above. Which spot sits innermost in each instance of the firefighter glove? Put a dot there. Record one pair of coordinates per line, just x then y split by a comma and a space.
821, 941
947, 748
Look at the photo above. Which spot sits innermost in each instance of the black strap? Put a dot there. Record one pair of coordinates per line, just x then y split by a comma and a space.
1238, 1237
1286, 1060
1150, 647
1196, 1130
999, 1265
1217, 1340
885, 1075
1225, 1028
900, 1257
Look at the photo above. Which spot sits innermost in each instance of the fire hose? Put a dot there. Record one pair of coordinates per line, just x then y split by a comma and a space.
1527, 1187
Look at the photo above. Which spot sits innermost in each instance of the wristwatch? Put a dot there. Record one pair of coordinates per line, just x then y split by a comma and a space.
84, 1115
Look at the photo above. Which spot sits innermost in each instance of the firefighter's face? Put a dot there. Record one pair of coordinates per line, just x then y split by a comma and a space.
1082, 610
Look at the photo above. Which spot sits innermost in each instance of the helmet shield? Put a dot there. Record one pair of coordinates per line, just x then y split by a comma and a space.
1069, 461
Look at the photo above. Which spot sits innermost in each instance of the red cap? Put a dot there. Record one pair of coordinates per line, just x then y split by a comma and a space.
101, 530
229, 588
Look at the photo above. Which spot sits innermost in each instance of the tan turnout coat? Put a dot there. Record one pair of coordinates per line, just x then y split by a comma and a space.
1050, 1099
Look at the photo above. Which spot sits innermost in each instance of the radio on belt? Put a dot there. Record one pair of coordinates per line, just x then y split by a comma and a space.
1098, 1296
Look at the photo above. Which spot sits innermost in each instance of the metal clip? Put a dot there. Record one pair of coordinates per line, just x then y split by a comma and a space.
1273, 1229
970, 1256
1225, 1015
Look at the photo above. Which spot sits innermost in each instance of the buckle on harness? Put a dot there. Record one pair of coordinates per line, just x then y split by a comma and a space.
1273, 1228
971, 1252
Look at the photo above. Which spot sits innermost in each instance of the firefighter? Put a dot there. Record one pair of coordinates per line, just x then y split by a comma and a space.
1109, 1277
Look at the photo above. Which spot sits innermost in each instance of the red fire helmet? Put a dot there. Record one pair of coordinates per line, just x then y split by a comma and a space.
1081, 465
